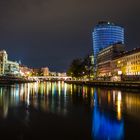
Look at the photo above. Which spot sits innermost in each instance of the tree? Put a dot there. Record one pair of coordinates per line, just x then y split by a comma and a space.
88, 66
81, 67
76, 68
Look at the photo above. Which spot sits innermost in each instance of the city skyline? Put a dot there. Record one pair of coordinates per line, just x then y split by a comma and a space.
45, 33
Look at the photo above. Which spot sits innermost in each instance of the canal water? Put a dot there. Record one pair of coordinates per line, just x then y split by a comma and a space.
56, 110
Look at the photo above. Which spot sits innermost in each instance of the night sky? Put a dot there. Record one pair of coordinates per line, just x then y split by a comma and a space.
53, 32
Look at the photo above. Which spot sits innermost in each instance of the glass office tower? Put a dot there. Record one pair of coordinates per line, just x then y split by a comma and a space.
106, 34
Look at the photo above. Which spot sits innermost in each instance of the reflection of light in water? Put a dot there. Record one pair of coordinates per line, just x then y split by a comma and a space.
41, 88
53, 94
119, 96
28, 94
21, 90
53, 88
109, 98
59, 88
92, 91
1, 101
84, 91
44, 88
113, 97
132, 102
103, 127
35, 86
48, 87
65, 89
4, 102
59, 98
74, 87
119, 105
65, 98
71, 89
15, 94
5, 105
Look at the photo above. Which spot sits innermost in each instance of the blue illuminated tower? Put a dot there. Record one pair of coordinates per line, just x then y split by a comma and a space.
106, 34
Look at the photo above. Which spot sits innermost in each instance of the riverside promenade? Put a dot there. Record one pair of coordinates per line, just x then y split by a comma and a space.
120, 84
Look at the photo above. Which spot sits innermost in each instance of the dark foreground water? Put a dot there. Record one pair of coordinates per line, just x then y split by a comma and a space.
58, 111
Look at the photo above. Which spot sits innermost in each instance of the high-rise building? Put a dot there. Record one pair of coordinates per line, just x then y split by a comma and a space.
106, 34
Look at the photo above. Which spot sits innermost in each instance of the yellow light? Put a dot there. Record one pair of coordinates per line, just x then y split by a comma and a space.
119, 62
119, 116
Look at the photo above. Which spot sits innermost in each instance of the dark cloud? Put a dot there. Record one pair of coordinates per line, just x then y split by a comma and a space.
53, 32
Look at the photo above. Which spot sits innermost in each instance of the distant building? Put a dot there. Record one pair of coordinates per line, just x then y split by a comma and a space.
105, 57
12, 68
6, 66
61, 74
53, 73
45, 71
25, 71
36, 71
106, 34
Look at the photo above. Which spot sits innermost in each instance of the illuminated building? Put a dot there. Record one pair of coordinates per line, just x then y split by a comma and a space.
25, 71
11, 68
53, 73
106, 34
36, 71
127, 63
61, 74
45, 71
3, 61
6, 66
105, 57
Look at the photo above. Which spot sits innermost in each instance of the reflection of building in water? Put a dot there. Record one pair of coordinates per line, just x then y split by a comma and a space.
119, 105
132, 104
111, 99
126, 102
47, 96
104, 126
4, 101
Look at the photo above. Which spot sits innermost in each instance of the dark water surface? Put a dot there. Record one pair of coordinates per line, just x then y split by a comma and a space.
60, 111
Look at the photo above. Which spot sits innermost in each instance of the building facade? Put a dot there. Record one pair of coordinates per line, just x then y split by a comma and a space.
6, 66
106, 34
25, 71
3, 61
12, 68
45, 71
127, 63
105, 57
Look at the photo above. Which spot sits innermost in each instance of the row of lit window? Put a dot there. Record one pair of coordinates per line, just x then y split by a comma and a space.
133, 73
106, 33
133, 57
132, 68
